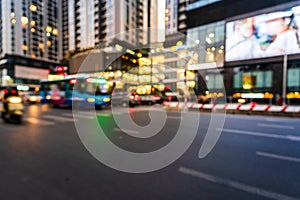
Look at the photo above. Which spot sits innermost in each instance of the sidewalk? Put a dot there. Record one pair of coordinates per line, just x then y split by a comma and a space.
236, 108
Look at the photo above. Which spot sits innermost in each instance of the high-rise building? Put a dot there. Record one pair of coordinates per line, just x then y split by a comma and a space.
30, 36
92, 22
101, 22
156, 15
171, 16
64, 27
31, 28
175, 21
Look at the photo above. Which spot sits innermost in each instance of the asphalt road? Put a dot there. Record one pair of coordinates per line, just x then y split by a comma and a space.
255, 157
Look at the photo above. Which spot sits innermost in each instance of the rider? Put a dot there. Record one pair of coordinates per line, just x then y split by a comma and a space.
8, 94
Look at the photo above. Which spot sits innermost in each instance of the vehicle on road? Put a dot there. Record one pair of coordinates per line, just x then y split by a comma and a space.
12, 108
31, 97
157, 96
123, 98
80, 90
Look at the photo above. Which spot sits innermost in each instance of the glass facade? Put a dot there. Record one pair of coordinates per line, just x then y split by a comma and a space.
252, 80
200, 3
209, 40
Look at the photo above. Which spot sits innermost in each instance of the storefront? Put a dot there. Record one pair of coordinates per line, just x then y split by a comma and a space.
22, 71
251, 52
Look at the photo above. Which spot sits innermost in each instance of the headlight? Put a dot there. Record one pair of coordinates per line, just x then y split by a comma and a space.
106, 99
15, 100
33, 98
91, 100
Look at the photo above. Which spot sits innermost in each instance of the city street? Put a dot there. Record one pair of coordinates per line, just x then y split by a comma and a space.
256, 157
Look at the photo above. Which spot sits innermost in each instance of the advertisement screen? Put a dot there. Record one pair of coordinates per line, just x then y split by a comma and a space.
266, 35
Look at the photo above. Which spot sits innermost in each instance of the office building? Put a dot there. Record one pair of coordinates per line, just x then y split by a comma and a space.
30, 39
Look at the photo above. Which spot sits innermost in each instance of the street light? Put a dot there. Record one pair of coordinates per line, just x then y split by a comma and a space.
284, 74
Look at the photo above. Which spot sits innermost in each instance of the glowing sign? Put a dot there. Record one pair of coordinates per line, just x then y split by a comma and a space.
96, 80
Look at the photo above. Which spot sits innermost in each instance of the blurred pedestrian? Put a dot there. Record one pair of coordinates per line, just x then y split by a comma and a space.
279, 100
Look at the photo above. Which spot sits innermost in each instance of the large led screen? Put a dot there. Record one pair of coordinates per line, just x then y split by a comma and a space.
265, 35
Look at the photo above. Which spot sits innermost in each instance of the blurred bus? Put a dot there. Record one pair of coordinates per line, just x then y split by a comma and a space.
79, 90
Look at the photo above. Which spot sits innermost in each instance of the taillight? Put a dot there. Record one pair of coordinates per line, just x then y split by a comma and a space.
156, 97
73, 81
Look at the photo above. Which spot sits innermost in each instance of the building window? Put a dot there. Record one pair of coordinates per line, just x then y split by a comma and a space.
200, 3
253, 79
214, 81
293, 79
209, 41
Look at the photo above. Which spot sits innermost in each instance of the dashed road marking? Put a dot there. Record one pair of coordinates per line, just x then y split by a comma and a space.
279, 157
38, 121
268, 135
275, 126
236, 185
58, 118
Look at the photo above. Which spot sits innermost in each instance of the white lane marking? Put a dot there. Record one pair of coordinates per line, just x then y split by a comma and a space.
268, 135
58, 118
78, 115
68, 114
38, 121
275, 126
260, 118
280, 157
283, 120
126, 131
236, 185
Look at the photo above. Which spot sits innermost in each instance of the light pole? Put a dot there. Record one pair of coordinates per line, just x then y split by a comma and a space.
284, 74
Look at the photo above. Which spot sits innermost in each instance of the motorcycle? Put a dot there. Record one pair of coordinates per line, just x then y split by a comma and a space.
12, 110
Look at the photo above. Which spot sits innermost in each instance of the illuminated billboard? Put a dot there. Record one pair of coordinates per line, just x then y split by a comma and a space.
266, 35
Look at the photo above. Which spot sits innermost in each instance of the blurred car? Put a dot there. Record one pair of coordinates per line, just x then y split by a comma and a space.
150, 99
170, 95
31, 97
124, 99
158, 97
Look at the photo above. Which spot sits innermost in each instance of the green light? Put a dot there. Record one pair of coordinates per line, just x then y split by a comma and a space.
97, 80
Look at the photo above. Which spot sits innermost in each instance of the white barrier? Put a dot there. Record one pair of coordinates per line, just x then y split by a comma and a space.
293, 109
220, 106
173, 104
197, 106
261, 108
237, 107
276, 109
208, 106
232, 106
246, 107
190, 105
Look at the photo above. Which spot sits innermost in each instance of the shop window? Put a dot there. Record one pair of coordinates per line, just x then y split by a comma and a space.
293, 79
255, 79
237, 82
214, 81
